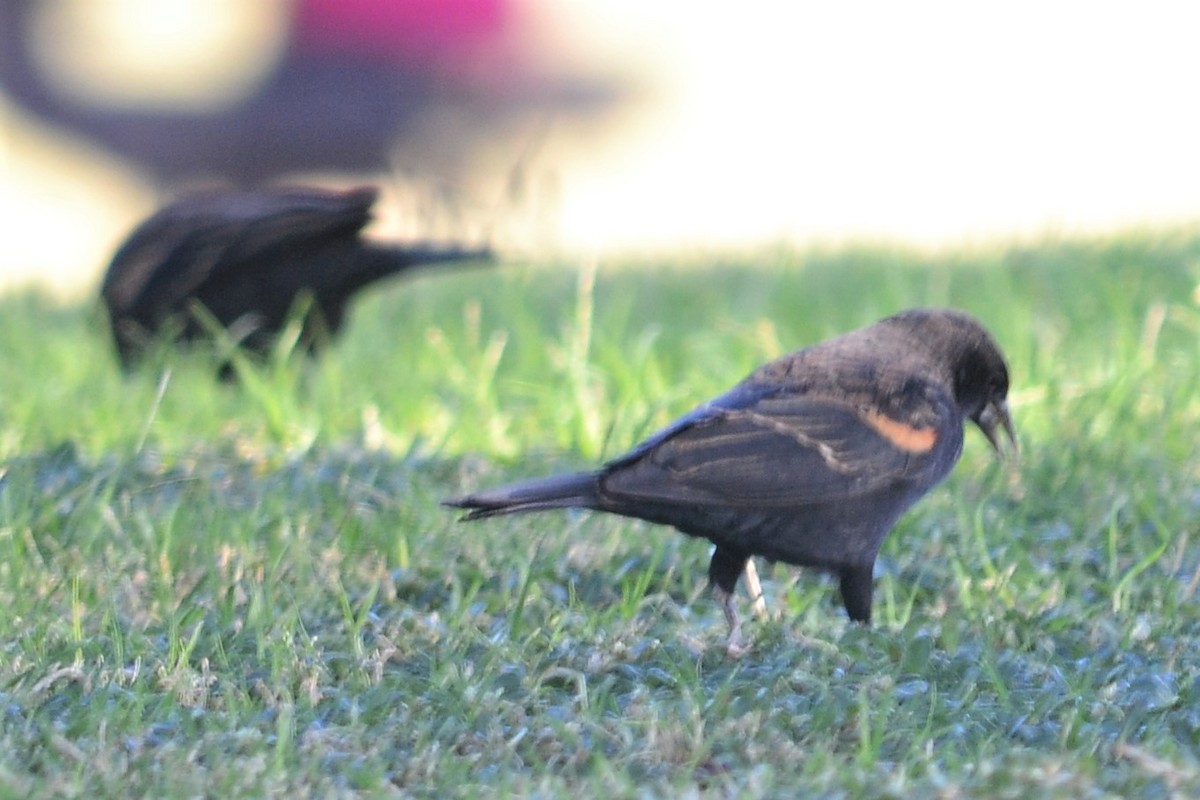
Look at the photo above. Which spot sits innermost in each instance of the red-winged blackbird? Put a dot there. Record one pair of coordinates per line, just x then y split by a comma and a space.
247, 256
810, 460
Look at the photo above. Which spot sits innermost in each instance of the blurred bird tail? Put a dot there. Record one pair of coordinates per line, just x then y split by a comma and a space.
558, 491
389, 259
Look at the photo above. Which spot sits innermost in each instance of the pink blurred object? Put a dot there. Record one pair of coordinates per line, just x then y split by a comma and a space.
410, 31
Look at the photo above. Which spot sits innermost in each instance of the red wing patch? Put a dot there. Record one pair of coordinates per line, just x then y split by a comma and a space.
901, 435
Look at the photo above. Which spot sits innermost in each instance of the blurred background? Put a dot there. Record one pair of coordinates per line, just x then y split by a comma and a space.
579, 127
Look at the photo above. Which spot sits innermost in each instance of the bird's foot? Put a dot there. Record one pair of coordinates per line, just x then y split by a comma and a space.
736, 646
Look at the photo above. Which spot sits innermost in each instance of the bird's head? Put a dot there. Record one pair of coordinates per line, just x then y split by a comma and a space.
976, 367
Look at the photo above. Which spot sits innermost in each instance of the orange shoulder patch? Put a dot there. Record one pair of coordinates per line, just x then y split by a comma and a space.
900, 435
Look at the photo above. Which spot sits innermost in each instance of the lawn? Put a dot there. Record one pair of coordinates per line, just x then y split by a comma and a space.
250, 589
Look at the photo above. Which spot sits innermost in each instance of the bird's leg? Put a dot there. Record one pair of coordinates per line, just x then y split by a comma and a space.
735, 645
723, 572
757, 604
856, 585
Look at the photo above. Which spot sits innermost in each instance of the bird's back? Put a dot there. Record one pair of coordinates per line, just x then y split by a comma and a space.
809, 460
205, 239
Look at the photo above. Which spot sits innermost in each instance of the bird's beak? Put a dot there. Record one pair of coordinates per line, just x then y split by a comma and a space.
994, 415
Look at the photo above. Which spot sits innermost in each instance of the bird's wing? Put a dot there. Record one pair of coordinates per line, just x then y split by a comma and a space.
201, 238
783, 450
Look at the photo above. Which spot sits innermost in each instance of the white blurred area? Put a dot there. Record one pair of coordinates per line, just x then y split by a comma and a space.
920, 121
930, 123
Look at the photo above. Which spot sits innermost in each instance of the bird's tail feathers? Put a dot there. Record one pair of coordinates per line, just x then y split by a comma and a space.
558, 491
393, 258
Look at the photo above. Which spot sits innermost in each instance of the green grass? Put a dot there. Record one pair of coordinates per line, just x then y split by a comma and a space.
250, 589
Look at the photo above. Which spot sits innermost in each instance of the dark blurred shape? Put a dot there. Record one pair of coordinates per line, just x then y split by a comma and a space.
247, 257
355, 77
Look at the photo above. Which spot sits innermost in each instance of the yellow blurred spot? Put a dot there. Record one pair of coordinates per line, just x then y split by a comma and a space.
177, 53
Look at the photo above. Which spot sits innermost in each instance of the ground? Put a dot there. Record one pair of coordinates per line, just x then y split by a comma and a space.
251, 589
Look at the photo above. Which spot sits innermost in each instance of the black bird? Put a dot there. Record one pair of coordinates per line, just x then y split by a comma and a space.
246, 257
810, 460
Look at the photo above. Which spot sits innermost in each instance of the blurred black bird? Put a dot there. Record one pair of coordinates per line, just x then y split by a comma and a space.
247, 257
810, 460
